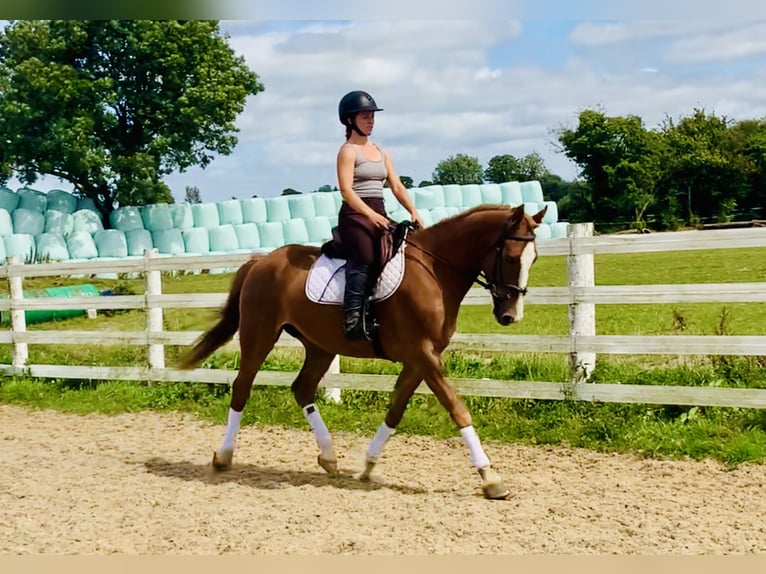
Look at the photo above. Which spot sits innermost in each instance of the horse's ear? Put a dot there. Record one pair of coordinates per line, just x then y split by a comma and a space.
538, 217
516, 215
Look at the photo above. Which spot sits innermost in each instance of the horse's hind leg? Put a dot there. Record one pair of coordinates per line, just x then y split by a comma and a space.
405, 387
252, 356
304, 388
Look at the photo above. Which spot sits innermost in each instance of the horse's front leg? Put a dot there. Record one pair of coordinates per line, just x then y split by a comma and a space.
492, 484
405, 387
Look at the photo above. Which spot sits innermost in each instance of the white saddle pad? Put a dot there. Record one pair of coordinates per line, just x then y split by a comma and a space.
327, 279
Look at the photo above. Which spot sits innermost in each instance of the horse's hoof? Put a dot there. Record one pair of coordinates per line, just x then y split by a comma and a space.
492, 484
365, 476
222, 459
330, 466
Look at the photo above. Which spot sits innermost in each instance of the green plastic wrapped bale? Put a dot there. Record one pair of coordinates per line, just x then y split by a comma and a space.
439, 213
205, 215
389, 201
247, 236
28, 221
490, 193
87, 220
277, 208
552, 215
139, 240
532, 207
81, 245
428, 197
9, 199
559, 229
43, 315
20, 245
471, 195
86, 203
532, 191
60, 200
229, 212
324, 203
295, 231
126, 218
58, 222
196, 240
254, 210
511, 193
2, 251
318, 229
182, 215
223, 238
157, 216
51, 247
453, 195
272, 234
169, 241
32, 199
111, 243
543, 231
6, 223
301, 206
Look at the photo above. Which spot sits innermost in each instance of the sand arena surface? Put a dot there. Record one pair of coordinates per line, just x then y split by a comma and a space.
142, 483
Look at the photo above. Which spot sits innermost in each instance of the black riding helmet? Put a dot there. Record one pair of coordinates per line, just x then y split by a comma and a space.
353, 103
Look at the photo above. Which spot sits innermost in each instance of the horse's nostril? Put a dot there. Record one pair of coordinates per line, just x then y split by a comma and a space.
506, 320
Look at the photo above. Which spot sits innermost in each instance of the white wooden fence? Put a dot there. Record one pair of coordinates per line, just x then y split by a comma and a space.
581, 344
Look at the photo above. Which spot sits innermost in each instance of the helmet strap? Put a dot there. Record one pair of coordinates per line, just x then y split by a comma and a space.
352, 123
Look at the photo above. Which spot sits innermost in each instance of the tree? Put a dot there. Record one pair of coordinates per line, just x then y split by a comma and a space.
192, 194
460, 169
290, 191
502, 168
425, 183
113, 106
327, 187
406, 181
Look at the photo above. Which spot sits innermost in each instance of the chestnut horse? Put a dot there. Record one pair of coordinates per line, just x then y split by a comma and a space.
442, 262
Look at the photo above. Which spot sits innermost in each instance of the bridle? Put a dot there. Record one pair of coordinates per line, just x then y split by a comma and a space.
493, 285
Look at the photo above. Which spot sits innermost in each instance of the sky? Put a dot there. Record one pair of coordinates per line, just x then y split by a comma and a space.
480, 87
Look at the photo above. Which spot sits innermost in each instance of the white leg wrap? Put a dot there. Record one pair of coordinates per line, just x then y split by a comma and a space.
475, 451
381, 437
232, 428
322, 435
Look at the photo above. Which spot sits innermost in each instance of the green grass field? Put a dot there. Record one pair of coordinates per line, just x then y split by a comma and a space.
729, 435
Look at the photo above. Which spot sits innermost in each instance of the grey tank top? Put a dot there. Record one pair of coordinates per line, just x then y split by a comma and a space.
369, 175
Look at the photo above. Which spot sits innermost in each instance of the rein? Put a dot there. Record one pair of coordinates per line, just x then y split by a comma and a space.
481, 279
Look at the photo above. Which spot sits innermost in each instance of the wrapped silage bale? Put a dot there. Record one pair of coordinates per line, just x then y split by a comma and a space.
182, 215
532, 191
21, 245
87, 220
247, 236
511, 193
552, 215
126, 218
471, 193
559, 229
324, 203
439, 213
205, 215
272, 234
87, 203
58, 222
318, 229
223, 238
9, 199
169, 241
28, 221
196, 240
229, 212
277, 208
6, 223
139, 240
543, 231
453, 195
32, 199
295, 231
490, 193
428, 197
111, 243
60, 200
254, 210
81, 245
301, 206
51, 247
157, 217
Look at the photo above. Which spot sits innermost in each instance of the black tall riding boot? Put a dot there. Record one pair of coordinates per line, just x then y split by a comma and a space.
353, 300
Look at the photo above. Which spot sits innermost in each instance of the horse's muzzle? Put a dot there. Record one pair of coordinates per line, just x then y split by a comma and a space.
505, 319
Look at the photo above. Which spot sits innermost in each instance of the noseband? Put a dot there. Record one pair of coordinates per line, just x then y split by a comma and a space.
494, 286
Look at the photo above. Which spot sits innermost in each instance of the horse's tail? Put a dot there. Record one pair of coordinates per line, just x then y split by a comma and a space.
222, 332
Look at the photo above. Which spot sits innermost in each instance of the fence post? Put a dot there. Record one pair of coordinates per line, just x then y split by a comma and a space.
154, 313
18, 316
582, 316
330, 393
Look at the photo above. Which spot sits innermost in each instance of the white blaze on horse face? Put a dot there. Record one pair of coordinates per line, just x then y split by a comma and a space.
526, 260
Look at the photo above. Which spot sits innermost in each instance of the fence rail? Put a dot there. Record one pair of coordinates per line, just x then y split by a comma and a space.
581, 344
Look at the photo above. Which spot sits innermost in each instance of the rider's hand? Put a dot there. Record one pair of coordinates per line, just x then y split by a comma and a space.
379, 220
415, 218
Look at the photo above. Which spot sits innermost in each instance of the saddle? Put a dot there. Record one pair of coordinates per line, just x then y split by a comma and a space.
390, 243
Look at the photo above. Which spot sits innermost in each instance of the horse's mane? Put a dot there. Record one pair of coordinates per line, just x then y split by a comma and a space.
464, 214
